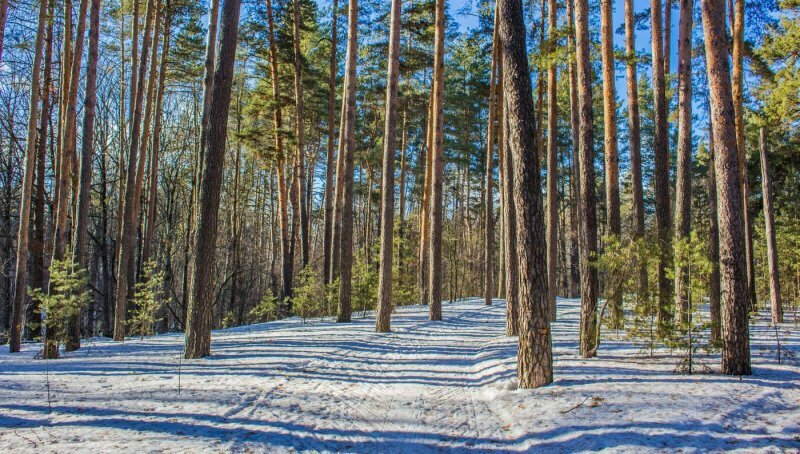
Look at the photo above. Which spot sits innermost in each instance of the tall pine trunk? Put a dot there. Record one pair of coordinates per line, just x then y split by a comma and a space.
683, 186
574, 122
21, 271
661, 169
198, 326
329, 163
382, 323
437, 168
588, 208
552, 168
347, 150
713, 242
635, 140
535, 357
299, 138
769, 230
488, 264
733, 269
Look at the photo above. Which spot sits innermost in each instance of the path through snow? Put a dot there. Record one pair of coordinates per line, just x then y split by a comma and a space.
427, 386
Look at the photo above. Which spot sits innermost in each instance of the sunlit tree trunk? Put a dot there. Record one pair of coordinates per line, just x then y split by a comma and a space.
575, 136
588, 225
129, 220
329, 166
683, 186
552, 168
661, 168
198, 326
21, 271
769, 230
299, 138
437, 168
488, 264
635, 139
733, 269
348, 150
534, 357
713, 242
382, 323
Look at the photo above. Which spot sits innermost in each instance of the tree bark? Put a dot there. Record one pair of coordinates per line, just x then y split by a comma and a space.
635, 141
80, 256
20, 276
683, 186
509, 212
535, 357
198, 326
737, 26
437, 169
3, 17
488, 264
661, 169
588, 226
575, 136
383, 319
769, 230
552, 167
735, 329
713, 243
155, 148
424, 216
301, 158
329, 211
129, 219
347, 149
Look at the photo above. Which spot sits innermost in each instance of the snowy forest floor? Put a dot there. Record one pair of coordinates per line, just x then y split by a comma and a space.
427, 386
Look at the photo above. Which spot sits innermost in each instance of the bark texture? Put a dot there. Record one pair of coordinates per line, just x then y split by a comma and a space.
769, 223
437, 170
552, 167
733, 269
198, 326
534, 357
383, 319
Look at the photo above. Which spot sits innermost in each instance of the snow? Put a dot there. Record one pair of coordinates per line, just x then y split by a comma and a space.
427, 386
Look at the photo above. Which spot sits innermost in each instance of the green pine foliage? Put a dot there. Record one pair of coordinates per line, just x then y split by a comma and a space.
69, 293
148, 300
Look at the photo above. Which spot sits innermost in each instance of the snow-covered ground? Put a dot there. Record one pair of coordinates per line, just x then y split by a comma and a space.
427, 386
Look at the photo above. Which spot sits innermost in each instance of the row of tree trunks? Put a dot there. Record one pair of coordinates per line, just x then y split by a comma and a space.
198, 326
129, 226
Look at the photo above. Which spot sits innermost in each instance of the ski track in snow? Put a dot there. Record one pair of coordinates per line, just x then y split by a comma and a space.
425, 387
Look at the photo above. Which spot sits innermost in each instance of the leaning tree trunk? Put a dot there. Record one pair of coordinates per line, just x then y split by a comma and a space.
552, 168
437, 169
713, 242
735, 329
588, 209
661, 169
683, 186
488, 263
635, 141
129, 220
535, 356
382, 322
348, 134
20, 276
198, 326
329, 212
81, 253
769, 223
